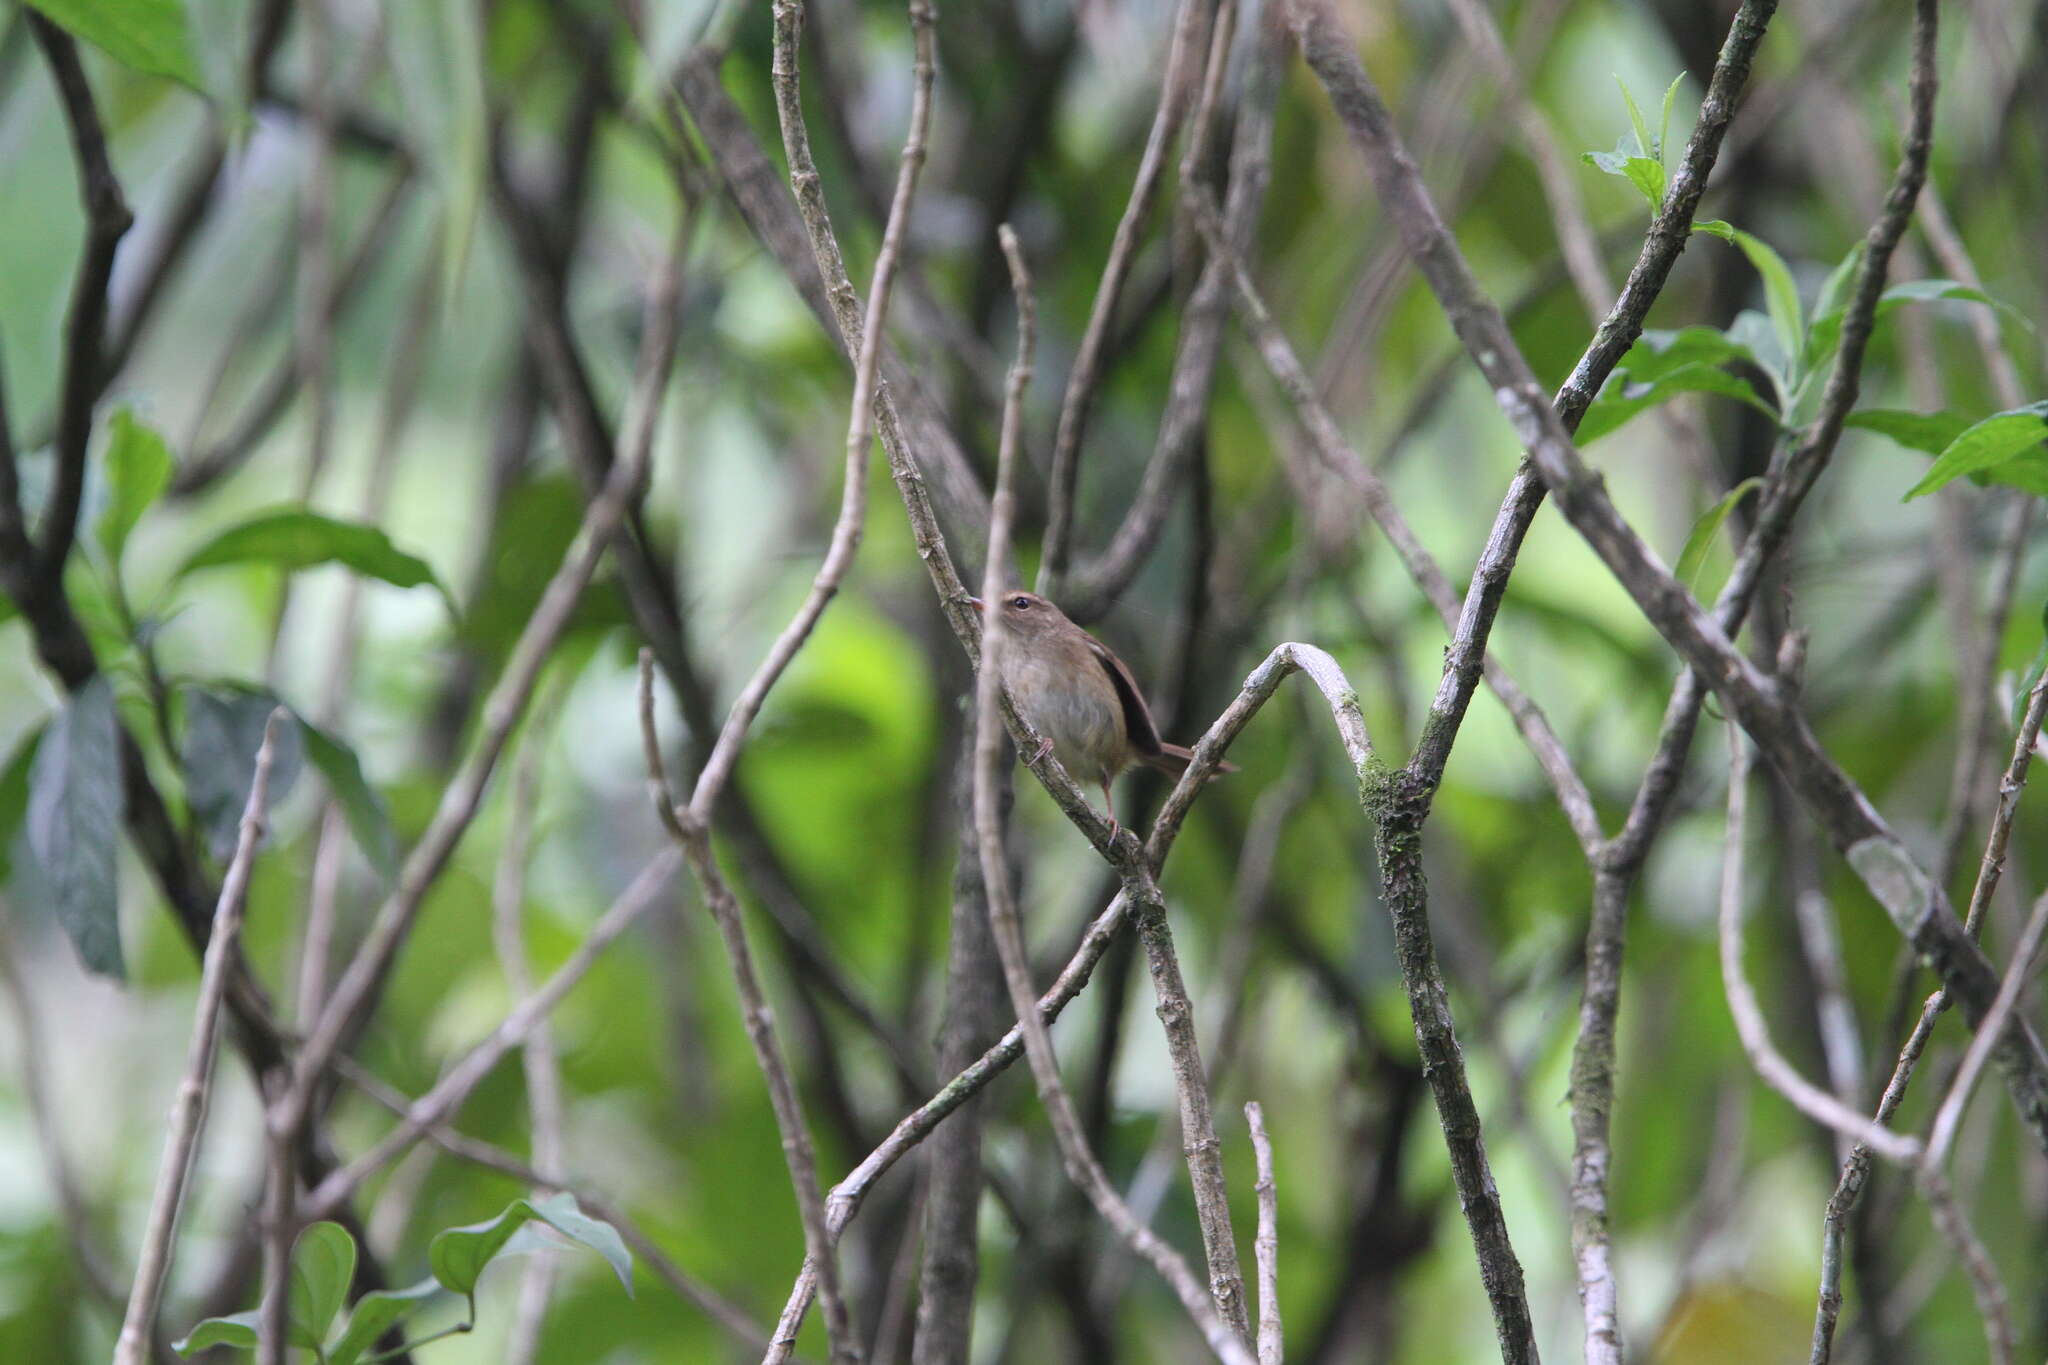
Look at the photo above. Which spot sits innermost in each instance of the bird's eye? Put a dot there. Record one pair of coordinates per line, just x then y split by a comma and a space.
1021, 602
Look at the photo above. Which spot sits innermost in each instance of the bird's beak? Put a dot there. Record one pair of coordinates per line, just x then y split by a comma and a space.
976, 603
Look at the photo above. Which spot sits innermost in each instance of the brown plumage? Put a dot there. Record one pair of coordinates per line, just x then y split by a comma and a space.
1080, 697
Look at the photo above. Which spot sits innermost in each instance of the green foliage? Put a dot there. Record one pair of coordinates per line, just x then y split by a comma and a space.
137, 468
149, 35
1987, 445
324, 1264
459, 1255
1701, 539
1662, 365
223, 730
1781, 296
362, 806
1638, 158
74, 824
292, 538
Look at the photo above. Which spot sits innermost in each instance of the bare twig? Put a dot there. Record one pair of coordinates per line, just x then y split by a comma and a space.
544, 1103
728, 1315
1267, 1244
188, 1110
1574, 228
1985, 1286
846, 532
1813, 1101
1917, 906
35, 1094
356, 993
2017, 974
693, 822
1223, 1338
1185, 417
1177, 86
466, 1072
106, 221
401, 389
845, 302
1327, 440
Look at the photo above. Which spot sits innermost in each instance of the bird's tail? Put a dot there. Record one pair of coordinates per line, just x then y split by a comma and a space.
1172, 759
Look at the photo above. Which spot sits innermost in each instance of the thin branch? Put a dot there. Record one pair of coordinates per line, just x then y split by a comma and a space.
1223, 1337
846, 532
1992, 1304
1813, 1101
1267, 1244
544, 1102
36, 1097
1177, 85
356, 993
728, 1315
1184, 421
2017, 974
846, 1197
845, 303
1575, 237
188, 1110
1327, 441
1992, 866
693, 822
1917, 906
465, 1073
106, 220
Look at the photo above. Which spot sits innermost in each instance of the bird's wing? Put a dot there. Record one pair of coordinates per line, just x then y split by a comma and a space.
1144, 736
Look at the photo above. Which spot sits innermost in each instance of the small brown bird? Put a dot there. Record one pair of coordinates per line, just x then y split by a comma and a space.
1080, 697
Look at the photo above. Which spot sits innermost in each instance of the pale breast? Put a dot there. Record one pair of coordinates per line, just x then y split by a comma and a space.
1084, 723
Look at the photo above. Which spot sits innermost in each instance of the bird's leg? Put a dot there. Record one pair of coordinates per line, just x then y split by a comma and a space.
1110, 806
1044, 748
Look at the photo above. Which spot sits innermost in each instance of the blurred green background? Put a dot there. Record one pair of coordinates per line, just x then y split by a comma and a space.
1718, 1185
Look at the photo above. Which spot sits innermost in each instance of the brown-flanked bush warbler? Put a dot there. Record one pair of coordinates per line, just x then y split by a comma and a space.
1080, 697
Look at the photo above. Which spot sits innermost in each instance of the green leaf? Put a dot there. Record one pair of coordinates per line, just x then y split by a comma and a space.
1620, 402
369, 819
1932, 291
2024, 692
1644, 147
295, 538
323, 1266
1933, 432
137, 468
223, 729
559, 1212
1826, 332
374, 1315
437, 61
74, 823
1641, 171
1781, 295
1702, 537
1998, 438
14, 786
236, 1329
1829, 310
1648, 177
1656, 354
458, 1256
149, 35
1928, 432
1756, 333
1664, 121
